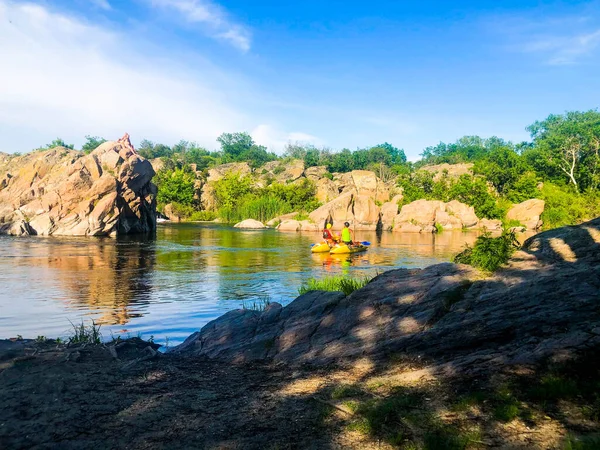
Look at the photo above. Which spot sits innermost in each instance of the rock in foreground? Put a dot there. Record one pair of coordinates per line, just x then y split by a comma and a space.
63, 192
543, 303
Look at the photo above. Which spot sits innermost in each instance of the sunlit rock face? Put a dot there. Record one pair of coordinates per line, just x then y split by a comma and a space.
542, 304
64, 192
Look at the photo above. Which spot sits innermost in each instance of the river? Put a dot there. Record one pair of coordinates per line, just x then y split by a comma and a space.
170, 286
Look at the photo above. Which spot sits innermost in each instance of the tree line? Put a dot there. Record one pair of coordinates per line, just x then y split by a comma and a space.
561, 164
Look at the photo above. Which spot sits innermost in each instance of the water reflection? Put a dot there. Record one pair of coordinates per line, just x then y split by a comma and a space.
186, 276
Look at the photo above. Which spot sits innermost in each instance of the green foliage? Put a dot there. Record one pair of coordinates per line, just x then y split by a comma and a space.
231, 189
334, 284
175, 186
346, 160
472, 190
567, 147
92, 143
489, 253
299, 196
238, 200
241, 147
566, 206
58, 142
466, 149
202, 216
85, 334
150, 150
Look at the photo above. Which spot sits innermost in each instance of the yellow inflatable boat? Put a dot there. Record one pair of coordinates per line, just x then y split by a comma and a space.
339, 249
321, 247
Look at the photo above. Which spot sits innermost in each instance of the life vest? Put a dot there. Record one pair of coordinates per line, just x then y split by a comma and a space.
327, 234
346, 235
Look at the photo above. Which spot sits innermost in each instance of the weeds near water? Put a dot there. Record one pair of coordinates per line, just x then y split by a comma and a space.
489, 253
334, 284
85, 334
258, 305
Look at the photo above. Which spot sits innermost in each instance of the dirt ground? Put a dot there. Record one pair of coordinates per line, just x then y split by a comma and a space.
55, 397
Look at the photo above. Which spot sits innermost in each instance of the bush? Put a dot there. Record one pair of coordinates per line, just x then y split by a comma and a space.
175, 186
203, 216
566, 206
489, 253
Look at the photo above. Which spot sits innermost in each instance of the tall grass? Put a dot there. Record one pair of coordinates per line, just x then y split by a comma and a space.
334, 284
257, 208
85, 334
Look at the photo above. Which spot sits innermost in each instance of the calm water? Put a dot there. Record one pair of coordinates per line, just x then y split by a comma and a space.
190, 274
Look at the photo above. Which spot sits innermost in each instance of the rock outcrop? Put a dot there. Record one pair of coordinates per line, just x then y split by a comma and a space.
424, 216
449, 170
63, 192
528, 213
543, 303
250, 224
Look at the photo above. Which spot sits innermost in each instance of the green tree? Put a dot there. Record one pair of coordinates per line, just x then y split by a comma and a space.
175, 186
92, 143
568, 146
150, 150
231, 189
58, 142
502, 167
234, 145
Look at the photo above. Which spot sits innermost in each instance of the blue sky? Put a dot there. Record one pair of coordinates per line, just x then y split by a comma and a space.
337, 73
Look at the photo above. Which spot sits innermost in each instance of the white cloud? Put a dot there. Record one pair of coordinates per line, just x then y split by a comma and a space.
102, 4
558, 41
274, 138
213, 17
68, 78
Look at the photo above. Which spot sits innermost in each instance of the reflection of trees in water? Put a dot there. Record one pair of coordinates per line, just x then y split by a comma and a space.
104, 274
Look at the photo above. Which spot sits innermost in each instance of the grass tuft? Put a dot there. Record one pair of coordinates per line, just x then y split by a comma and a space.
85, 334
334, 284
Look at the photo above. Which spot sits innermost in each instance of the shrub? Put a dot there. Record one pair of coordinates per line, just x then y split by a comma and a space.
489, 253
175, 186
565, 206
203, 216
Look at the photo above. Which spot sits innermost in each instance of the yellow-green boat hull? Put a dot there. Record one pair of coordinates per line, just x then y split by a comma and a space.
343, 249
322, 247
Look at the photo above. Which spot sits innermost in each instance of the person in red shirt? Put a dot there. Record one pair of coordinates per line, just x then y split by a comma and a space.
329, 236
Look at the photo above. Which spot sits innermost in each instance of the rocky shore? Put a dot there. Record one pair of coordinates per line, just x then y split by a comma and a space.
444, 357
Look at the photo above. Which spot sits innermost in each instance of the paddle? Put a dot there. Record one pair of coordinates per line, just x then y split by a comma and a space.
366, 243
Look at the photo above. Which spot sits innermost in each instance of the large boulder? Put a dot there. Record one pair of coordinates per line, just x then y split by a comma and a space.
289, 225
528, 213
429, 215
63, 192
490, 224
315, 173
339, 210
464, 213
326, 190
250, 224
389, 211
418, 216
219, 172
366, 212
171, 214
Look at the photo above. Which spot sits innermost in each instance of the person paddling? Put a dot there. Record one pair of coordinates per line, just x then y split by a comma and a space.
329, 237
347, 234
